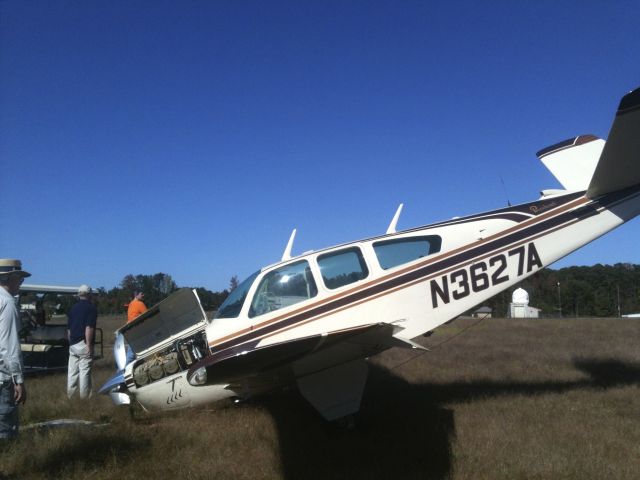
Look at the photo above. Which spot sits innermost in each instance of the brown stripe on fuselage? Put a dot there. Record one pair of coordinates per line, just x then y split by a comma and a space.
399, 273
410, 283
386, 278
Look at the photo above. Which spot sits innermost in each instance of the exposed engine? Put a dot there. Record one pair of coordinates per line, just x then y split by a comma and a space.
179, 356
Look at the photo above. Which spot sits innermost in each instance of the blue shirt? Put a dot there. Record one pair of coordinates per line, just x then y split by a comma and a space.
82, 315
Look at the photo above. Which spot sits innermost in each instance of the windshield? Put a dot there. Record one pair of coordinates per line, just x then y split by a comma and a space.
283, 287
231, 307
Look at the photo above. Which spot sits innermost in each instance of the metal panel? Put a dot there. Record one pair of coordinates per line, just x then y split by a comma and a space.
172, 318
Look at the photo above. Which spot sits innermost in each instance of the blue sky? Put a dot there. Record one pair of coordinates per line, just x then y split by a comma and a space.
191, 137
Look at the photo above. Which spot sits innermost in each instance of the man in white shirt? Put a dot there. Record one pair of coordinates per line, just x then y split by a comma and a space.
12, 389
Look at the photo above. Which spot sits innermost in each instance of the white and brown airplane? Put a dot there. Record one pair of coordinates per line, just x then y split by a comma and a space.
314, 319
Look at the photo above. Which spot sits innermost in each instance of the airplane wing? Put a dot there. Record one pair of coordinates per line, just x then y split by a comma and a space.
619, 164
328, 368
250, 359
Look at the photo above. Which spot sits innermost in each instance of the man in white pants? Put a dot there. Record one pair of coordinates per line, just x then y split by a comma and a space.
81, 331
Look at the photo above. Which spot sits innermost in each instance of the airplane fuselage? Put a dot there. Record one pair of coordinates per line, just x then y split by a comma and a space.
477, 257
480, 256
314, 319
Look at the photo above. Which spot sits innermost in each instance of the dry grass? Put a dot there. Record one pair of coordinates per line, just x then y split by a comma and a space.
501, 399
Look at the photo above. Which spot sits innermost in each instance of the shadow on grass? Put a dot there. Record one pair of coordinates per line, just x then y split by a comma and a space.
609, 373
400, 432
404, 430
603, 373
85, 449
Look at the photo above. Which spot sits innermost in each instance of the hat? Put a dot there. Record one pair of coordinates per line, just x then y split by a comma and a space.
9, 266
84, 290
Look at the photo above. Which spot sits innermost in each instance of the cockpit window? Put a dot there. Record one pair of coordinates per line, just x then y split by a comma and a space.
342, 267
392, 253
231, 307
283, 287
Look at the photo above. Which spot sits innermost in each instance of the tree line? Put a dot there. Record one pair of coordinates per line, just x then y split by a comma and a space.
595, 291
155, 287
599, 291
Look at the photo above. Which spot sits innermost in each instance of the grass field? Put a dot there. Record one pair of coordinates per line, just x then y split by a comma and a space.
495, 399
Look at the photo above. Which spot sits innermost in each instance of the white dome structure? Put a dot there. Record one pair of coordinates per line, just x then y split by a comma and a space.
520, 296
519, 306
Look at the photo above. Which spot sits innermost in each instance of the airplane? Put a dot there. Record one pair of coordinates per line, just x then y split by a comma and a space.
44, 345
313, 320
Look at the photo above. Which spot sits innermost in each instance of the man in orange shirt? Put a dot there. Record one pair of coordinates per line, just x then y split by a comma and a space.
136, 306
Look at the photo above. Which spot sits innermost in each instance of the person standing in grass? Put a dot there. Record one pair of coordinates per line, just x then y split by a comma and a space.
12, 389
81, 332
136, 306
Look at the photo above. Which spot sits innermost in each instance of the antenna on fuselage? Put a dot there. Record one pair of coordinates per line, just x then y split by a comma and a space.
504, 189
287, 251
394, 221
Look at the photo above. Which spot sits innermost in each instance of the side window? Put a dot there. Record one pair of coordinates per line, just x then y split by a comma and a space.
283, 287
342, 268
392, 253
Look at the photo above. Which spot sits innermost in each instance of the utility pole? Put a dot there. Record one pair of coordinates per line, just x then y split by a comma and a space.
559, 301
618, 288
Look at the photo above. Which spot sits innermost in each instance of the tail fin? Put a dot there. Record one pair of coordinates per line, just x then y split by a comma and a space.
619, 164
573, 161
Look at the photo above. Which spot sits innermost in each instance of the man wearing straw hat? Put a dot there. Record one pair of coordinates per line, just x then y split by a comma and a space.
12, 389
